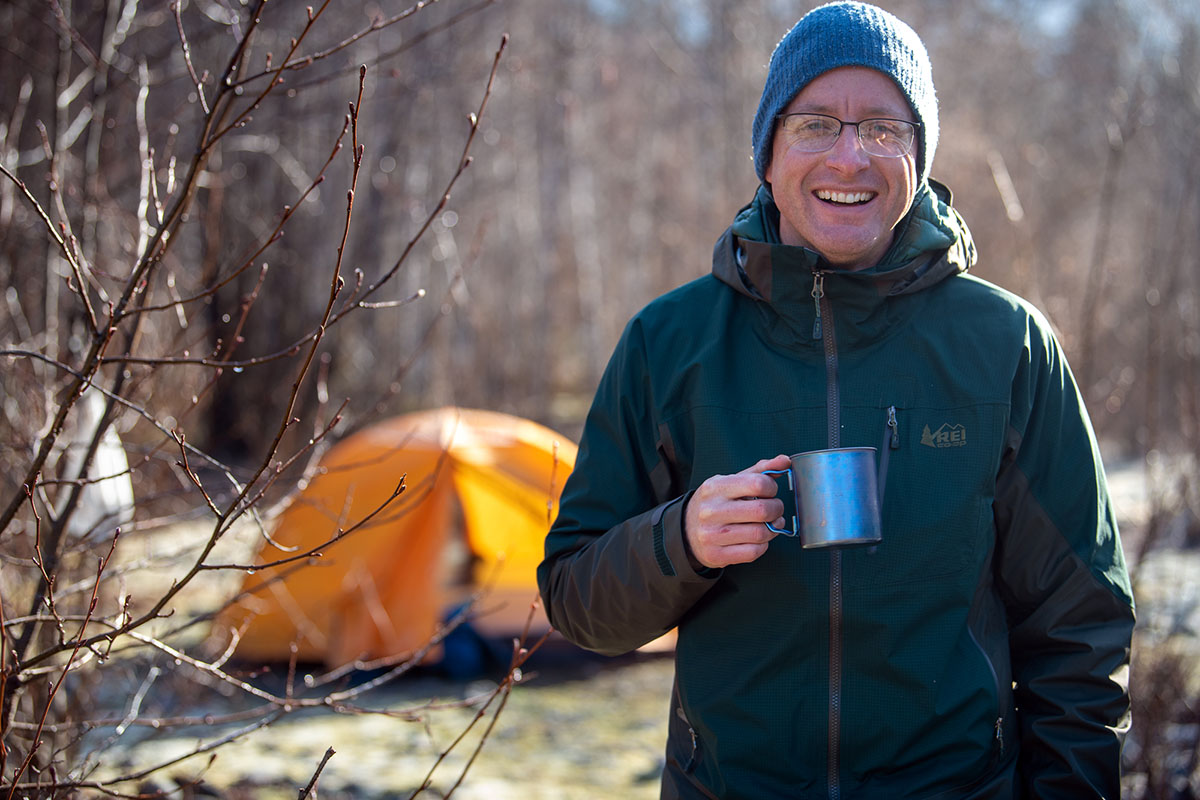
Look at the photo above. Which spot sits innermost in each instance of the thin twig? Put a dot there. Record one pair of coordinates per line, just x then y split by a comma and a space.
274, 236
307, 790
407, 45
75, 262
315, 550
335, 286
5, 677
521, 654
206, 747
276, 80
58, 240
192, 476
304, 62
463, 162
37, 738
187, 57
39, 561
127, 404
130, 627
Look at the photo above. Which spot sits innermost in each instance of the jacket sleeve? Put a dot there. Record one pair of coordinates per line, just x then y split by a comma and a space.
616, 573
1061, 573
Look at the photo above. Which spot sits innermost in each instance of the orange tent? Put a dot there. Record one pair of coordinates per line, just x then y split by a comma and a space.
481, 489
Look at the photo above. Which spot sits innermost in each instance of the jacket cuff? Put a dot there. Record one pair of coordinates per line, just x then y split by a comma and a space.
671, 551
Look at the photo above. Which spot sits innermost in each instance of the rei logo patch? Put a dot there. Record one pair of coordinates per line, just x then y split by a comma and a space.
946, 436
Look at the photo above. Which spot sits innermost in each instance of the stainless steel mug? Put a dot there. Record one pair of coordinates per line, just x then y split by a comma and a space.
836, 497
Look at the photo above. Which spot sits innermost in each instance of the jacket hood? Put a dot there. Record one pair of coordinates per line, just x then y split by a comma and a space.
931, 244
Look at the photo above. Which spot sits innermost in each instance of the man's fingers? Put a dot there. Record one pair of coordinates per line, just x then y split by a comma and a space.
748, 483
731, 513
743, 533
776, 462
734, 544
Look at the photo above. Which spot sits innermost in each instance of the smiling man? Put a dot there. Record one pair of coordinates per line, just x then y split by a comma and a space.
979, 648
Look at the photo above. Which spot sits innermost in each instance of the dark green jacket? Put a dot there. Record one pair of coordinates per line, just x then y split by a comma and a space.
981, 650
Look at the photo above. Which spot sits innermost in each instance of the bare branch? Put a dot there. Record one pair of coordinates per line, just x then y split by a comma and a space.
187, 469
187, 57
129, 405
271, 239
408, 44
64, 249
308, 790
521, 654
316, 550
335, 286
376, 25
6, 676
463, 163
37, 738
242, 118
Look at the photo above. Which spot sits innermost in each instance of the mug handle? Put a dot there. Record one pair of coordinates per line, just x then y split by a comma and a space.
795, 529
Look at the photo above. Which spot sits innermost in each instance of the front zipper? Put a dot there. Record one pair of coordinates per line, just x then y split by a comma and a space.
835, 673
823, 329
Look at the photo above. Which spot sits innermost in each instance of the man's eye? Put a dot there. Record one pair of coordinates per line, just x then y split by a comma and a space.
811, 127
883, 129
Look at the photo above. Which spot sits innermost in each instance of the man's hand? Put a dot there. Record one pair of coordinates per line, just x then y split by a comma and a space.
724, 522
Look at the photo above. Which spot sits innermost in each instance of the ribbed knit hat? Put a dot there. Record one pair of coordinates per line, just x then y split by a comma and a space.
848, 34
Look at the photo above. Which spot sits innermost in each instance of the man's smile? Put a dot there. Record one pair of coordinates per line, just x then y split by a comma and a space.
844, 198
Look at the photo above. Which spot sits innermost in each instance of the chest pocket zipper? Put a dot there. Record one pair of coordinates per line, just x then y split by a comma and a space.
891, 441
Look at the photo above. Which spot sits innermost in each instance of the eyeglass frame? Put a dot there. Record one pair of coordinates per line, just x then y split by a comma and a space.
916, 126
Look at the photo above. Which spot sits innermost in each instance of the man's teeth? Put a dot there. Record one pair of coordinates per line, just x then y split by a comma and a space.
845, 197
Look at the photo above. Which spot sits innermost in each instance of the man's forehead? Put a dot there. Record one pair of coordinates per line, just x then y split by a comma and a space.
899, 110
868, 91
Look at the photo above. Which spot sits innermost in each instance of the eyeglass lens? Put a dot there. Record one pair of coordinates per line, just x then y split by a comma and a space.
814, 133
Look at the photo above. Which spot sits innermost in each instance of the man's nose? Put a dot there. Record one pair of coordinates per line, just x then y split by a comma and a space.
847, 152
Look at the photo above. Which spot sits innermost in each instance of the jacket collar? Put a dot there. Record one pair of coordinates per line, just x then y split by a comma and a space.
931, 244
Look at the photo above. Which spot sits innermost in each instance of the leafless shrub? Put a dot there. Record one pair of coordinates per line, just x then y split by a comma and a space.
118, 329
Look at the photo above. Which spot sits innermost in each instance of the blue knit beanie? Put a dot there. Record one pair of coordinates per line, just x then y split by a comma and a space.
848, 34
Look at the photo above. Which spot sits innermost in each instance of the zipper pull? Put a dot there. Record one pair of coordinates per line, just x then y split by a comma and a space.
1000, 733
818, 291
895, 428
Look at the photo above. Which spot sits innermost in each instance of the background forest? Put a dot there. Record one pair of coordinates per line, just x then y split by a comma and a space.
233, 231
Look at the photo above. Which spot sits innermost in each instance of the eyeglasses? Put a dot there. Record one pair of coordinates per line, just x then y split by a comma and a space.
816, 133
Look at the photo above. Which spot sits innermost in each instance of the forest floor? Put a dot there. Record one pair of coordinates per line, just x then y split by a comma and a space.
577, 728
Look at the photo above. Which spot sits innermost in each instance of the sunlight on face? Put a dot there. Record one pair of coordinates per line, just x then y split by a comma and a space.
843, 203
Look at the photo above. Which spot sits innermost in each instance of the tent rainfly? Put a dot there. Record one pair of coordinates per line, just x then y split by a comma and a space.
481, 488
